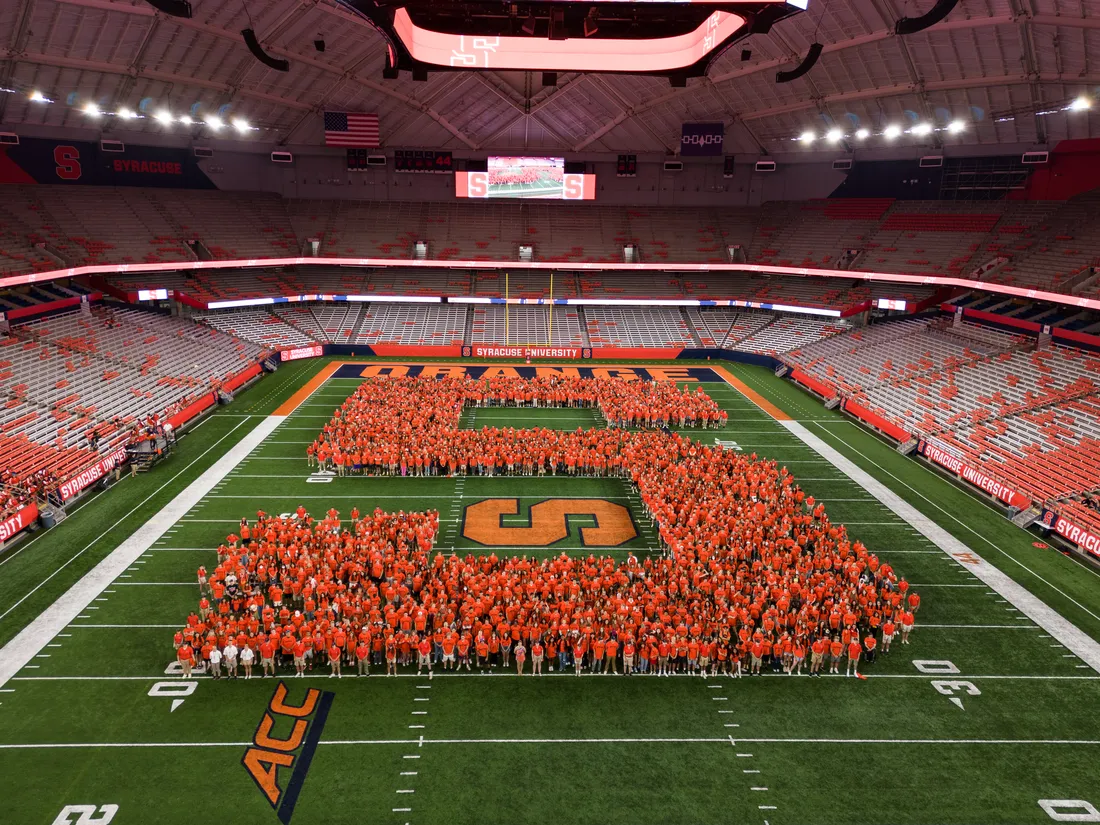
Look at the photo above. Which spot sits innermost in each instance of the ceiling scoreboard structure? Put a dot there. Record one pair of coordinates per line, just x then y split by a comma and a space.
677, 39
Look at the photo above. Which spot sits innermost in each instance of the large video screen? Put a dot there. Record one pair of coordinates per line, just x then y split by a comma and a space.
514, 177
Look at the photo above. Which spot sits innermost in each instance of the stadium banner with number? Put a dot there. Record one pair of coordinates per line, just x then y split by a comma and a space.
702, 139
1085, 539
1002, 492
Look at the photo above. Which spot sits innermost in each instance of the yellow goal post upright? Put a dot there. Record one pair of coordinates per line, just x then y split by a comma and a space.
506, 341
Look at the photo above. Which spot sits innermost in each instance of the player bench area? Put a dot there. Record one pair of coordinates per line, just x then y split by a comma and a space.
621, 744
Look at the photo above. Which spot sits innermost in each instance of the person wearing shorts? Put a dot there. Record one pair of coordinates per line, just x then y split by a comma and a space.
521, 657
537, 652
334, 662
247, 657
888, 630
391, 657
300, 649
854, 651
757, 652
267, 658
362, 657
424, 655
628, 657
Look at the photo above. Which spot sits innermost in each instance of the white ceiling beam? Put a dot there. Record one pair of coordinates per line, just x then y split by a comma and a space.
766, 65
278, 51
932, 86
149, 74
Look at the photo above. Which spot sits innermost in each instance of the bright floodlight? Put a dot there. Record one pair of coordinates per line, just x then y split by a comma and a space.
214, 122
807, 137
241, 125
126, 114
38, 97
956, 126
163, 116
1080, 104
91, 110
863, 134
834, 135
891, 132
186, 120
922, 129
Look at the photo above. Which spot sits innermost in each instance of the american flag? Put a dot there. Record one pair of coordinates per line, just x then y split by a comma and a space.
351, 129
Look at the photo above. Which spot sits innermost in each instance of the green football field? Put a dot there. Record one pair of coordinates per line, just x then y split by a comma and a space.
985, 714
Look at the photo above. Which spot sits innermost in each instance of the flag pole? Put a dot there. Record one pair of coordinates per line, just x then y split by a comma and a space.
550, 331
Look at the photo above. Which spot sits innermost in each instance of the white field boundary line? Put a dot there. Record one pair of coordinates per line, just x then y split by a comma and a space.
506, 674
33, 638
612, 741
1019, 597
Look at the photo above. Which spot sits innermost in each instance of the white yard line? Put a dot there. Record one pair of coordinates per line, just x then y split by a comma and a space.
577, 741
26, 645
1056, 625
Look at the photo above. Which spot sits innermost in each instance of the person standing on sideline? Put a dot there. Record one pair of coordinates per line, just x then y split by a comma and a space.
854, 651
362, 656
230, 653
334, 662
267, 657
216, 663
521, 656
186, 657
537, 652
247, 656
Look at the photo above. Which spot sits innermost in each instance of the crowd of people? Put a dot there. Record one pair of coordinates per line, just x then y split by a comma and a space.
410, 426
754, 576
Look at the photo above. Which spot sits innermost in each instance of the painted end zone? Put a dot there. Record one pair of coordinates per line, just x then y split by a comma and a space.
359, 369
307, 389
751, 394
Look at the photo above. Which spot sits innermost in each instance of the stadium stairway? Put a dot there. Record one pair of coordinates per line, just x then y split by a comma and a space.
691, 327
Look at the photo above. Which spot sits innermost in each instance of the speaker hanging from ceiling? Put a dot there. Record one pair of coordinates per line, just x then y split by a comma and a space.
259, 53
808, 63
175, 8
911, 25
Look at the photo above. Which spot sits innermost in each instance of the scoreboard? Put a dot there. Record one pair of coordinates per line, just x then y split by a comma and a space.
418, 160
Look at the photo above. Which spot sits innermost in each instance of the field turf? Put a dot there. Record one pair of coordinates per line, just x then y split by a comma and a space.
78, 725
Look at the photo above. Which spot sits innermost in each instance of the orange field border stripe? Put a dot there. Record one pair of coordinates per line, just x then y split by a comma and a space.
751, 394
292, 403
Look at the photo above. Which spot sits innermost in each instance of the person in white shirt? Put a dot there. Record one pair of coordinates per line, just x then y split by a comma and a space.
246, 659
216, 663
230, 653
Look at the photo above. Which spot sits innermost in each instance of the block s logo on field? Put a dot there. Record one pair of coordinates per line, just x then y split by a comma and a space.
292, 751
547, 522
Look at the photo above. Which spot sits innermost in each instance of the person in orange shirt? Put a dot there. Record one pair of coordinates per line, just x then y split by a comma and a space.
424, 655
612, 656
662, 658
186, 657
391, 656
537, 652
267, 657
521, 657
482, 650
798, 651
906, 626
334, 661
869, 645
448, 648
817, 655
299, 652
836, 650
599, 647
757, 651
854, 652
362, 657
888, 630
628, 657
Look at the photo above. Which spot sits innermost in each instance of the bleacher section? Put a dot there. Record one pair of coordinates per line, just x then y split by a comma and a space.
1029, 418
1049, 245
416, 324
100, 368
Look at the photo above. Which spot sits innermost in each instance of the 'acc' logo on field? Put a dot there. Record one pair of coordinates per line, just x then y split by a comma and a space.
548, 522
268, 752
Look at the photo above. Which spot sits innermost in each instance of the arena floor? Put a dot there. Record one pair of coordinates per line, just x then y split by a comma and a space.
988, 714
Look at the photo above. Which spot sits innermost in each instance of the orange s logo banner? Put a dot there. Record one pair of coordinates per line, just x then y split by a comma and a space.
548, 522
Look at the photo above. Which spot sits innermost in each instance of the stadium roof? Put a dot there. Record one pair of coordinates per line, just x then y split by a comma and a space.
994, 64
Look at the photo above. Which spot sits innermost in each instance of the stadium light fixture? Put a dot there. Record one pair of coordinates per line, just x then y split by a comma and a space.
922, 129
164, 116
891, 132
1080, 104
241, 125
126, 114
956, 126
807, 137
186, 120
215, 122
834, 135
91, 110
38, 97
862, 134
